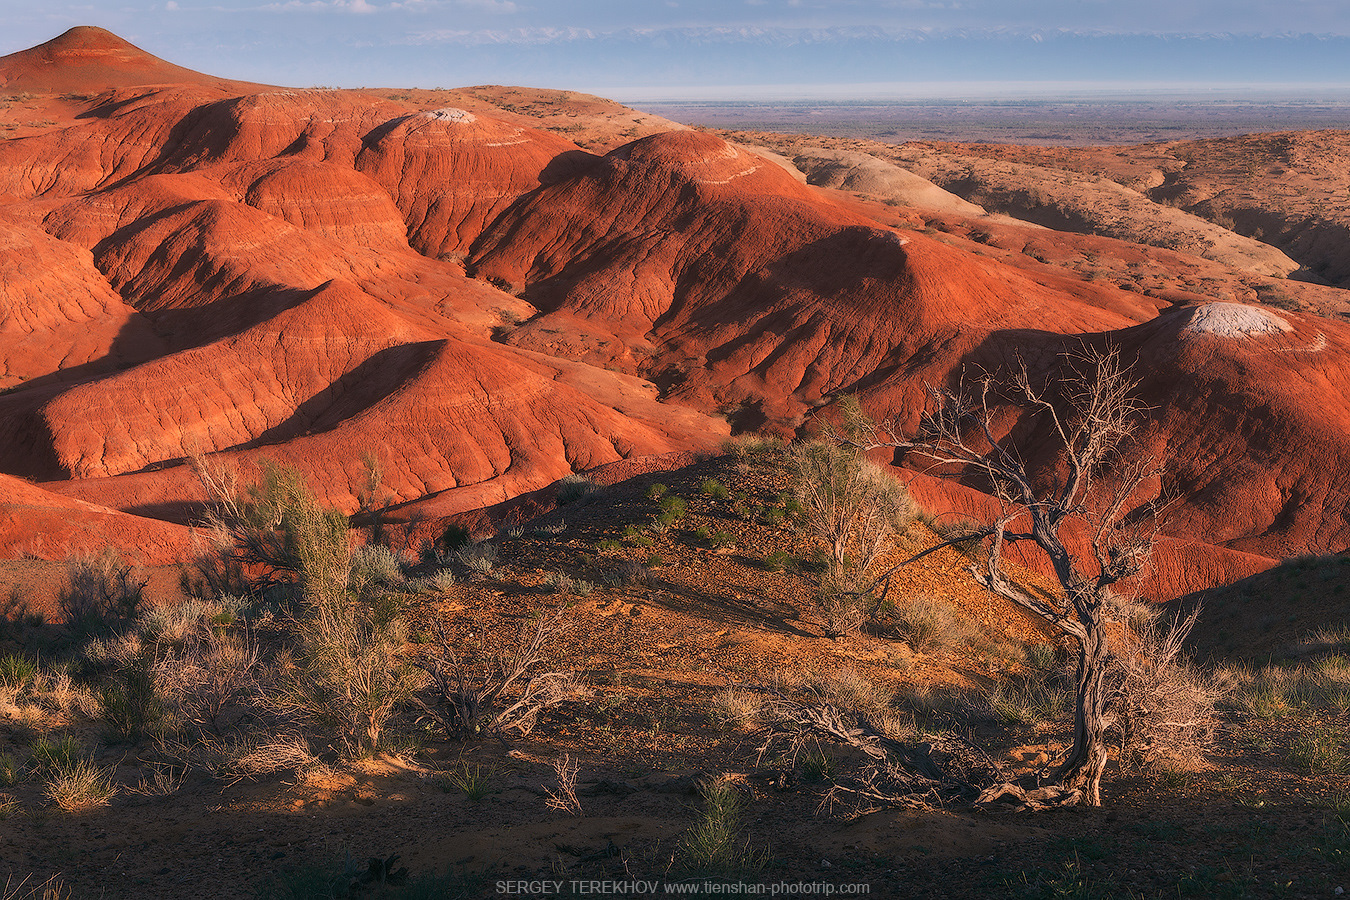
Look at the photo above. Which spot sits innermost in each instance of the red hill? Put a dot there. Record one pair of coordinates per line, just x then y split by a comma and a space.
197, 266
87, 59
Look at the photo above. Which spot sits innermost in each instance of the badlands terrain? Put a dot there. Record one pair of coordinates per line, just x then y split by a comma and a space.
478, 295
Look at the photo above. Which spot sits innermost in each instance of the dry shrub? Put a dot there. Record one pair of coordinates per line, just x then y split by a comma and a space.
50, 889
563, 797
209, 676
1165, 703
925, 622
500, 693
277, 753
736, 706
101, 589
853, 691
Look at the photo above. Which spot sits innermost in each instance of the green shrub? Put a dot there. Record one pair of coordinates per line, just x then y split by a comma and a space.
850, 505
656, 491
131, 705
713, 488
46, 754
673, 507
777, 560
10, 773
351, 675
471, 781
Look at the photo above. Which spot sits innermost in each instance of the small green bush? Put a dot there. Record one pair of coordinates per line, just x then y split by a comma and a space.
714, 846
46, 754
656, 491
131, 705
777, 560
674, 507
713, 488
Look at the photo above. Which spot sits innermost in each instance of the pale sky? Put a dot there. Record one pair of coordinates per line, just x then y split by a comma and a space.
695, 47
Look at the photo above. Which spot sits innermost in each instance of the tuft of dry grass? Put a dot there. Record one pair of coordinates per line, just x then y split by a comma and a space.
80, 786
733, 706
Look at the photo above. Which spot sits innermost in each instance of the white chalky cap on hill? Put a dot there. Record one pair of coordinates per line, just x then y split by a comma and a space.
1234, 320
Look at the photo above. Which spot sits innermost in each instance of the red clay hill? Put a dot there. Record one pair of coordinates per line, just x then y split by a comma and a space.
193, 266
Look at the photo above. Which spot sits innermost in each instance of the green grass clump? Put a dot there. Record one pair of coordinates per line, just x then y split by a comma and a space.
714, 847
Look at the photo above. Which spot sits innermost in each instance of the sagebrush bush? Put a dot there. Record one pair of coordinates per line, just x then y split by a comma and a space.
850, 505
375, 566
350, 673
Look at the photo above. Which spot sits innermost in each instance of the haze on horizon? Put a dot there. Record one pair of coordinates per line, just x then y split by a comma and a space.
751, 49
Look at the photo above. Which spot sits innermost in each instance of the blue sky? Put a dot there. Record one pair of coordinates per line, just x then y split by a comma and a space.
676, 48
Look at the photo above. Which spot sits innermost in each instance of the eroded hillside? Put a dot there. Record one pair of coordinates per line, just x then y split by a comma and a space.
491, 295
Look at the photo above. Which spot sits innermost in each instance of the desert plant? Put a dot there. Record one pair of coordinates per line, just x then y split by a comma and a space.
736, 706
563, 794
501, 693
350, 673
673, 508
1320, 750
47, 754
714, 846
1164, 703
375, 566
453, 537
16, 671
80, 786
101, 590
479, 558
278, 526
849, 504
713, 488
1036, 695
656, 491
777, 561
131, 704
573, 488
442, 580
925, 622
209, 676
164, 781
471, 781
1090, 414
563, 583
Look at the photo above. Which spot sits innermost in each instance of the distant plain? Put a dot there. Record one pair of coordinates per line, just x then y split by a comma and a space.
1044, 122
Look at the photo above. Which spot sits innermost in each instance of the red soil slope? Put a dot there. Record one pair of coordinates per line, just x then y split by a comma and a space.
314, 276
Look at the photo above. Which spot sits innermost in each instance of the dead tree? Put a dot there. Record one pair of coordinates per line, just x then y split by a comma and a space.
1093, 485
